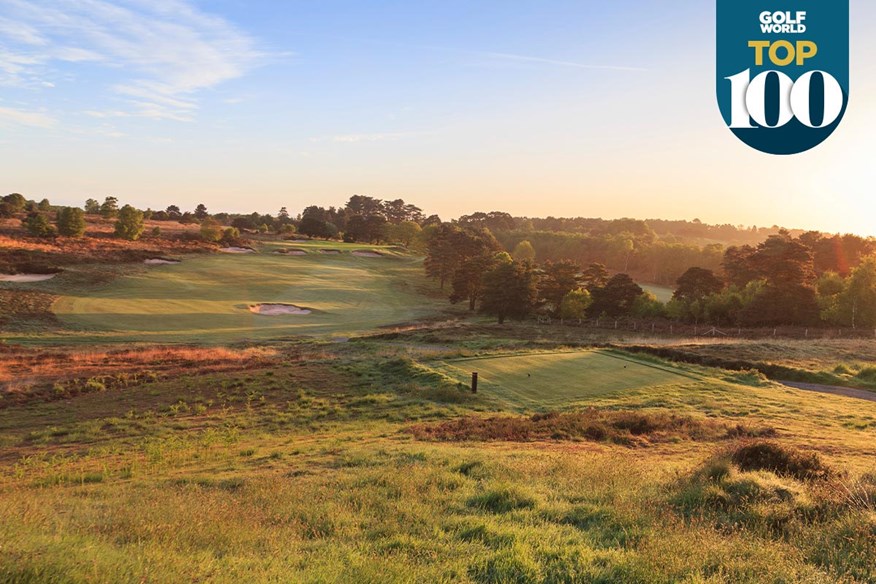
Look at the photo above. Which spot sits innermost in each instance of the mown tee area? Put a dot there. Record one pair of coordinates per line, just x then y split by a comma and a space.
545, 380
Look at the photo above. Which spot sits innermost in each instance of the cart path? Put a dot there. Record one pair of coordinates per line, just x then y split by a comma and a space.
833, 389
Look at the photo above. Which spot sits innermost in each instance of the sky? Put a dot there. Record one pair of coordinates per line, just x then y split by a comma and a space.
537, 107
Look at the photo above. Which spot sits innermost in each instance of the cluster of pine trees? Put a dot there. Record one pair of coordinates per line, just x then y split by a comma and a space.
806, 280
472, 263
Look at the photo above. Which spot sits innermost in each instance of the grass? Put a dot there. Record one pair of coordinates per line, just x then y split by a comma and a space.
663, 293
548, 380
827, 362
303, 470
369, 461
205, 299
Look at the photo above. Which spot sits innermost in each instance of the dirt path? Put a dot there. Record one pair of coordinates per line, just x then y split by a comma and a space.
833, 389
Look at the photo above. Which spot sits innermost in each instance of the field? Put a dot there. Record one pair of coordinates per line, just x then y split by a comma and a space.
206, 298
320, 468
231, 447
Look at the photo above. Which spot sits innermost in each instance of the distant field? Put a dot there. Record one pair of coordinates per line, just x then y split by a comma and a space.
560, 379
206, 298
663, 293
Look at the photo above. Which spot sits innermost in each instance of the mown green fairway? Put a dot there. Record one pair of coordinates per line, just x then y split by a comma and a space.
207, 299
663, 293
556, 379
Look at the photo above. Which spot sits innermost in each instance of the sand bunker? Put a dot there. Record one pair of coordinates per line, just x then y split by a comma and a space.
277, 309
237, 250
24, 278
293, 252
160, 262
367, 254
330, 251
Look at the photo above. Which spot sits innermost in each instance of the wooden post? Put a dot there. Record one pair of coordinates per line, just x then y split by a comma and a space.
474, 382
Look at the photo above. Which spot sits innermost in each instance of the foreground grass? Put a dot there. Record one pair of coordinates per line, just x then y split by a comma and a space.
306, 471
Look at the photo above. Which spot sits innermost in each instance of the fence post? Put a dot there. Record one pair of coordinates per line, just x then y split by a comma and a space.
474, 382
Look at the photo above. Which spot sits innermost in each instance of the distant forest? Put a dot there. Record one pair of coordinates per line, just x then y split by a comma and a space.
513, 267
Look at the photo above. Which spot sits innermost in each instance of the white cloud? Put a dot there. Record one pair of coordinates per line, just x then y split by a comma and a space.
26, 118
158, 54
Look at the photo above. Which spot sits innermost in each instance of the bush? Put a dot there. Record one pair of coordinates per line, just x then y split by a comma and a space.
781, 460
211, 230
38, 225
71, 222
130, 223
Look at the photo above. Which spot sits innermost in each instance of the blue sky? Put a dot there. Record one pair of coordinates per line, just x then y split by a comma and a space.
539, 108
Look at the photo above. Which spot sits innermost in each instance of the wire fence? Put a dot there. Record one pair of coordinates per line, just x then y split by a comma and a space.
666, 328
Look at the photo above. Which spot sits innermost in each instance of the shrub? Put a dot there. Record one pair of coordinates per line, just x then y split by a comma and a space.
38, 225
211, 230
94, 385
71, 222
781, 460
130, 223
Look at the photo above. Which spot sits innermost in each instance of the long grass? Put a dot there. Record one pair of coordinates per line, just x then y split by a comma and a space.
303, 471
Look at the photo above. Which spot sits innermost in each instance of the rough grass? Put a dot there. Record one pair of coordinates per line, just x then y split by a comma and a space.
28, 374
637, 428
771, 456
300, 471
825, 362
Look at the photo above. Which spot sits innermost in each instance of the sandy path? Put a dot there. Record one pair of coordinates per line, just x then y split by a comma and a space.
277, 309
833, 390
24, 278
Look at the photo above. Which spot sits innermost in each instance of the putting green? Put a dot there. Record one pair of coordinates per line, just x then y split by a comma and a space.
545, 380
207, 298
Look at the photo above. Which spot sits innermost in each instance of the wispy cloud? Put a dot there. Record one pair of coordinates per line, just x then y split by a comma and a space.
559, 62
26, 118
157, 55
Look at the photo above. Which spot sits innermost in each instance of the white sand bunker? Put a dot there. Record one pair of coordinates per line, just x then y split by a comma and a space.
330, 251
160, 262
25, 278
292, 252
367, 254
277, 309
237, 250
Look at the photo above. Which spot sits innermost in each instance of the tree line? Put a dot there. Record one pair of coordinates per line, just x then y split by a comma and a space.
808, 280
514, 267
470, 263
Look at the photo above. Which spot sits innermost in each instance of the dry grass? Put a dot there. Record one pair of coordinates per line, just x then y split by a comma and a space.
27, 374
617, 427
20, 253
